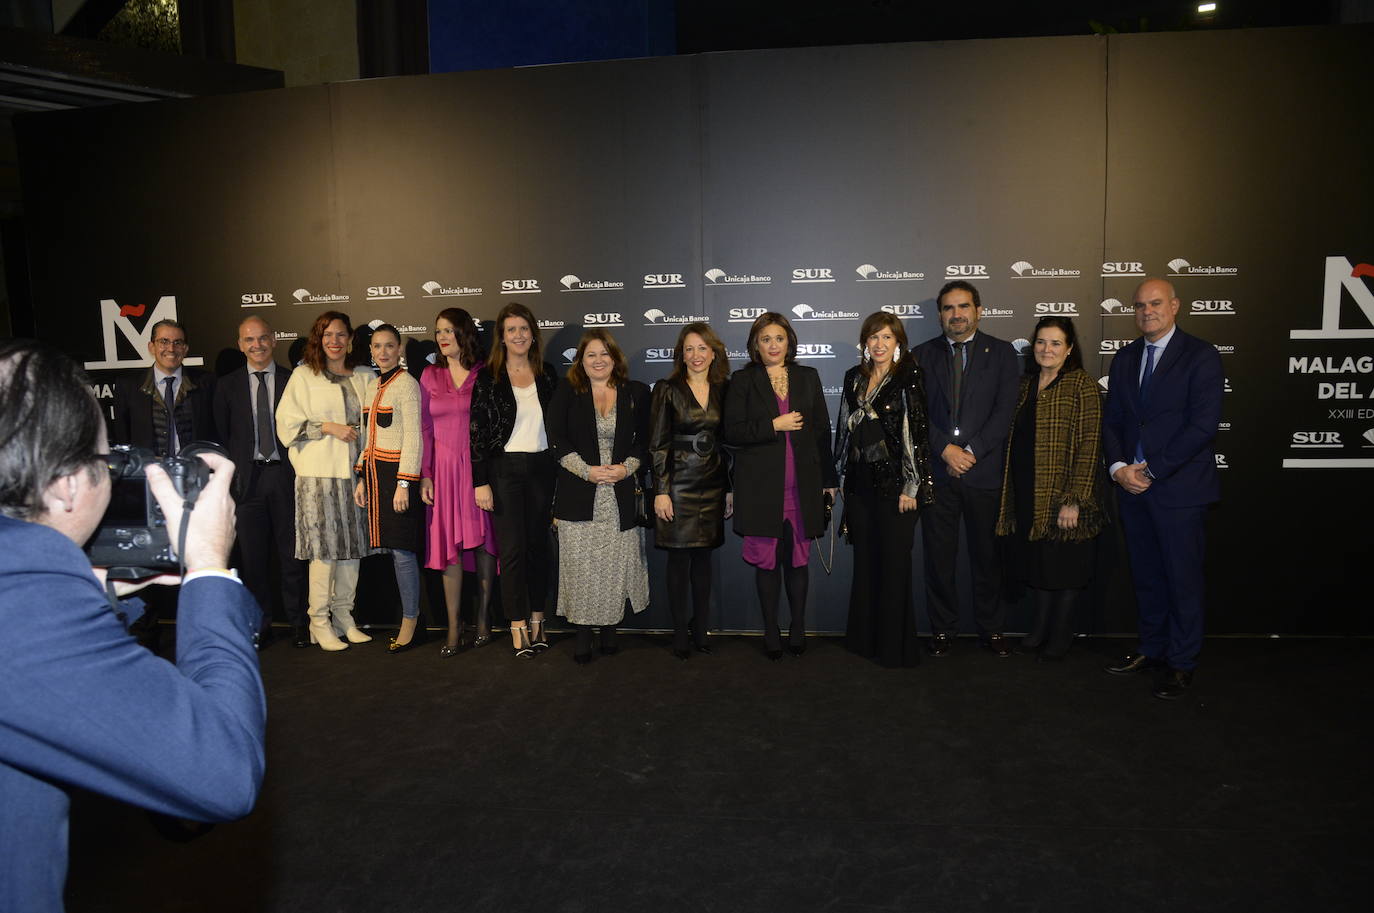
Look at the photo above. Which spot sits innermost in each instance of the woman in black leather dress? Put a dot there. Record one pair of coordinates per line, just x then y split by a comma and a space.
882, 453
513, 469
691, 479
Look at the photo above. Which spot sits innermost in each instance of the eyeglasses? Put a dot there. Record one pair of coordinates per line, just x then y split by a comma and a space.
170, 343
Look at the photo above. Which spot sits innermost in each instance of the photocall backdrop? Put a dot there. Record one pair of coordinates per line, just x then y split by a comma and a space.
827, 183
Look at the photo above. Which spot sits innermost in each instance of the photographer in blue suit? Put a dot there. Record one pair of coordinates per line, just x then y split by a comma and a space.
1163, 405
81, 704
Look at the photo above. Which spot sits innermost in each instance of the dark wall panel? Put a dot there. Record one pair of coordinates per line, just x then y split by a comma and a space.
1237, 165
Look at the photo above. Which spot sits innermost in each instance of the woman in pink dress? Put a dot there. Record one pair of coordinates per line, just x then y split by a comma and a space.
458, 535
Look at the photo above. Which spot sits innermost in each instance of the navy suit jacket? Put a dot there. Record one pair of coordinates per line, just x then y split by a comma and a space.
1178, 424
82, 704
233, 411
133, 407
992, 380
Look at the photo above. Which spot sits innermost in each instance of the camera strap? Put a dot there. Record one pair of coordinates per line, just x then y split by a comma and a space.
186, 508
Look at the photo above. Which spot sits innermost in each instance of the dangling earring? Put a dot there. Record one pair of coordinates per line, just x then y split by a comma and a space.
868, 356
896, 354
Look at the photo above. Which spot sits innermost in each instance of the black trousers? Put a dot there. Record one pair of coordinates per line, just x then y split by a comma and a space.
266, 524
978, 507
522, 487
881, 623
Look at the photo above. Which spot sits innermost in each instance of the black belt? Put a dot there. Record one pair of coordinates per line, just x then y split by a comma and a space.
267, 462
876, 452
703, 443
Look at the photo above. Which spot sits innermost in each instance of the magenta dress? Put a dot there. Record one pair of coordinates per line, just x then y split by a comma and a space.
454, 524
762, 551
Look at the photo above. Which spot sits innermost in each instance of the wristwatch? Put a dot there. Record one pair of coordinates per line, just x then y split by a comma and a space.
402, 483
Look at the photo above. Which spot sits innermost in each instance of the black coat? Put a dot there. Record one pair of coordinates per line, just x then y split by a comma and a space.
135, 397
696, 481
750, 407
233, 411
493, 416
571, 423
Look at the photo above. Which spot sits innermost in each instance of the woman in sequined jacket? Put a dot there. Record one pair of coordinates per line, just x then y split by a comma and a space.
882, 455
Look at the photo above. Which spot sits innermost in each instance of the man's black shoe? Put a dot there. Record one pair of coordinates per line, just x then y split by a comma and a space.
1133, 663
1174, 684
939, 644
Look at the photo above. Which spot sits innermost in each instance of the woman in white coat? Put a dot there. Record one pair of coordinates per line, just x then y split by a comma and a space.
318, 419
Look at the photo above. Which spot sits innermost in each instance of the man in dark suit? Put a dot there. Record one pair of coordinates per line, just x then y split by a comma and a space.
82, 704
1163, 406
971, 384
245, 407
163, 409
167, 406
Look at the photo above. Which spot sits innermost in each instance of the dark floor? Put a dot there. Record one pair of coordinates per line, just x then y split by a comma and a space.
731, 783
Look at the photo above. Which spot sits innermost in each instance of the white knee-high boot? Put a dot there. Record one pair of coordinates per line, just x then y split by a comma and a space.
321, 589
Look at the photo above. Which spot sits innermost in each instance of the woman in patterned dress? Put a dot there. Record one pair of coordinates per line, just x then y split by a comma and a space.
318, 419
459, 534
598, 425
387, 466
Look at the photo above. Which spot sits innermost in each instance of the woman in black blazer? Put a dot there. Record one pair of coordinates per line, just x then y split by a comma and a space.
598, 426
512, 468
776, 418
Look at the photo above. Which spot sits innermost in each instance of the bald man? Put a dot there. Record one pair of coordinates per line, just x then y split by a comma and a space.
245, 407
1163, 406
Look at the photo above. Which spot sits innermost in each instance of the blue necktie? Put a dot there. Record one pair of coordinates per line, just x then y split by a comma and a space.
1144, 393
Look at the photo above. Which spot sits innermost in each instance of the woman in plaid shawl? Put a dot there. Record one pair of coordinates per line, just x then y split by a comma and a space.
1050, 493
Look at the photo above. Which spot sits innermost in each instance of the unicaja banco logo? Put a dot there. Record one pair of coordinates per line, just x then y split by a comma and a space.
1024, 270
303, 296
807, 312
117, 321
1341, 275
571, 283
434, 289
570, 354
721, 277
870, 273
654, 317
1181, 267
1114, 306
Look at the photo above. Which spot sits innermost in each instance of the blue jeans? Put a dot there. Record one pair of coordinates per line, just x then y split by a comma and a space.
407, 581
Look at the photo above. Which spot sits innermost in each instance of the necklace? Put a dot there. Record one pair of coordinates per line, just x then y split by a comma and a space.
778, 378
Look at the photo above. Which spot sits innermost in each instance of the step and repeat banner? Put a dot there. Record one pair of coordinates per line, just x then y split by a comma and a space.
826, 184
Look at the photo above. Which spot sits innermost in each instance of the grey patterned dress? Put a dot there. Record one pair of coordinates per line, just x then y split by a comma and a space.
329, 525
599, 564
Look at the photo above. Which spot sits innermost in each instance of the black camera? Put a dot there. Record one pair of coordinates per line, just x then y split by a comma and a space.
133, 540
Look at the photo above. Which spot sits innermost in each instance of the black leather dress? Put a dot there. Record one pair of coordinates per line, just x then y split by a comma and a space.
689, 465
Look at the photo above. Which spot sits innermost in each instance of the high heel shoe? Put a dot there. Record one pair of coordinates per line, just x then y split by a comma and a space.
355, 636
481, 640
539, 641
417, 638
520, 640
321, 633
446, 650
